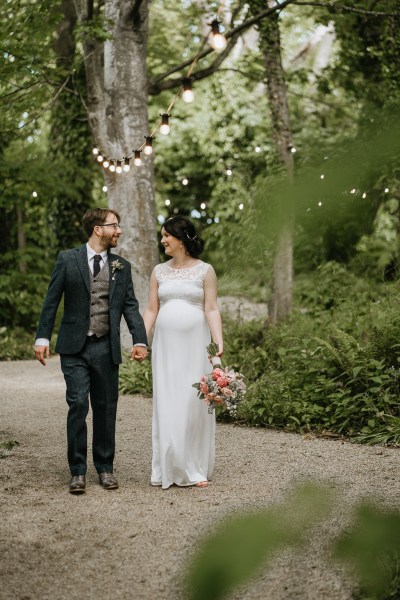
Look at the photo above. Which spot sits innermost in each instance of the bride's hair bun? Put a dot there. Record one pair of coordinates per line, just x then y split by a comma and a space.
183, 229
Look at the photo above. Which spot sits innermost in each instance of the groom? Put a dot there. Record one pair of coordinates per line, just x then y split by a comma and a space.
97, 289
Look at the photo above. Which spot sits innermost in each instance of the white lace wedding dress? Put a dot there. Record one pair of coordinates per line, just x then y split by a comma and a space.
183, 430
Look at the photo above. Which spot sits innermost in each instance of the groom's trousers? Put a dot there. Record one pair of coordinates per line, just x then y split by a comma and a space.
91, 373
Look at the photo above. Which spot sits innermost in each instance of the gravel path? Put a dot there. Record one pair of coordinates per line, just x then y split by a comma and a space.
132, 543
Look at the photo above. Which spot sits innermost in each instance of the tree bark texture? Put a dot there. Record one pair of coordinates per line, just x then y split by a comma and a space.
280, 303
117, 85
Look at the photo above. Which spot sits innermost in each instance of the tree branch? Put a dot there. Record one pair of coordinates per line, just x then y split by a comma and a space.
233, 32
20, 89
90, 10
340, 7
45, 109
155, 89
132, 14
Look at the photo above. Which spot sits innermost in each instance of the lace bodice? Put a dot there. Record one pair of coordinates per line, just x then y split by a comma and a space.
181, 284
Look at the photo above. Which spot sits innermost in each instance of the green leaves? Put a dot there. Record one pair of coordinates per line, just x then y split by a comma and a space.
372, 548
241, 545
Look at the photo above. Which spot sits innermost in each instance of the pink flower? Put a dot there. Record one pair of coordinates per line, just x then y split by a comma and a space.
217, 373
204, 388
226, 392
222, 382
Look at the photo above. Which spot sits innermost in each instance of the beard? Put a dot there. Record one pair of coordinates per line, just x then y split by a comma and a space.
109, 241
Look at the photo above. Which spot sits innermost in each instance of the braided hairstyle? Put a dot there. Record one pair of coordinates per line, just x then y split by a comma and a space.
184, 230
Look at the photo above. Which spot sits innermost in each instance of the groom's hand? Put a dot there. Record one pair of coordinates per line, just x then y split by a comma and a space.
139, 353
42, 352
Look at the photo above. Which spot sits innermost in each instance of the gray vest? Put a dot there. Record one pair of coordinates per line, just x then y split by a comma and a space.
99, 288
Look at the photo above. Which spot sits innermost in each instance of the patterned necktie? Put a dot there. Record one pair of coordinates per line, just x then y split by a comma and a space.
96, 265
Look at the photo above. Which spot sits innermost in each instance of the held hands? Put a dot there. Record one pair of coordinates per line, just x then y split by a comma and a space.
42, 352
139, 353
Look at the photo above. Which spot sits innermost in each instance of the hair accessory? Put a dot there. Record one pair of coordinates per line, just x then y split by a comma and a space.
190, 238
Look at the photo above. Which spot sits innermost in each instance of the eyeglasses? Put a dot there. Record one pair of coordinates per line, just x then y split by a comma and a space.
114, 225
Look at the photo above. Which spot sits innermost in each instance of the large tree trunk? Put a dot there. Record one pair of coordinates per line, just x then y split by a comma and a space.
117, 104
282, 277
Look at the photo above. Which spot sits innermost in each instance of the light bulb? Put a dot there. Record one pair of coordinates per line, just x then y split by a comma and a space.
100, 158
137, 160
35, 194
187, 94
112, 166
148, 149
218, 41
104, 188
106, 164
95, 151
165, 129
127, 166
118, 168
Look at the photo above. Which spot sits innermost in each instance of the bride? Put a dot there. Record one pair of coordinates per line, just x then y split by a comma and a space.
183, 305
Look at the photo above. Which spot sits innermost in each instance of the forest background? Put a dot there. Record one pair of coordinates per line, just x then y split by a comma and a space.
287, 160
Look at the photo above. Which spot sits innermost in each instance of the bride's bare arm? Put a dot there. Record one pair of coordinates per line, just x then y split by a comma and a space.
151, 311
211, 309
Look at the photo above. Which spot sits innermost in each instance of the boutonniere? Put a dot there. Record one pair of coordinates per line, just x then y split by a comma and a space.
116, 266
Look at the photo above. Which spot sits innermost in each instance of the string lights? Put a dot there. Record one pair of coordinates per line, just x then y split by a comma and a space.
164, 127
218, 41
122, 165
148, 148
187, 94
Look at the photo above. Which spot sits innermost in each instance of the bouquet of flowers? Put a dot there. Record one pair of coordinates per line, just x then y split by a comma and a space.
222, 387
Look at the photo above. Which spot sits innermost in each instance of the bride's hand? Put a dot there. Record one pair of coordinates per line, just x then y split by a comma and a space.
220, 349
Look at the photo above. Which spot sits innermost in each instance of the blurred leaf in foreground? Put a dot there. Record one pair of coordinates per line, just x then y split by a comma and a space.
372, 547
241, 545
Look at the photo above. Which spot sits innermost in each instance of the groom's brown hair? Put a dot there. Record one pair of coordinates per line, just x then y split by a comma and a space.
96, 216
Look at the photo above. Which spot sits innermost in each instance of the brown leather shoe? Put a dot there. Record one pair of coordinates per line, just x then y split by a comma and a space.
77, 484
108, 481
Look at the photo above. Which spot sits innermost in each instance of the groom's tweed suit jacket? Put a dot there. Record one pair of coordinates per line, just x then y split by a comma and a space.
71, 278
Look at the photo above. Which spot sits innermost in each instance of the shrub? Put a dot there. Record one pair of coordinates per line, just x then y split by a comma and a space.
135, 378
332, 367
16, 344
